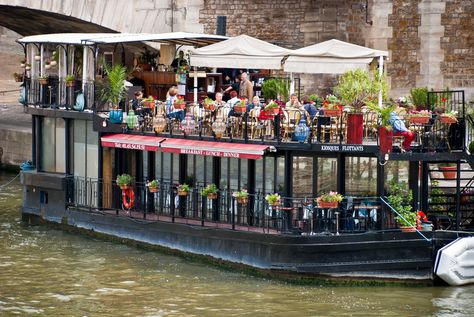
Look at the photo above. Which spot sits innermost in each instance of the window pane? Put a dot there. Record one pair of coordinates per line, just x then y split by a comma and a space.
48, 145
60, 146
244, 164
92, 153
361, 176
280, 175
158, 165
79, 131
199, 177
302, 176
167, 167
326, 174
175, 168
259, 176
224, 173
234, 173
269, 174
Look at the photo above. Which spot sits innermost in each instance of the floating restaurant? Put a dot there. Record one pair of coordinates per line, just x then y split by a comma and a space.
311, 190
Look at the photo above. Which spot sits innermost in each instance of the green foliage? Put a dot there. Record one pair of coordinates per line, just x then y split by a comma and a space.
401, 199
316, 99
384, 113
357, 88
208, 101
148, 57
240, 194
471, 147
436, 199
184, 187
114, 89
209, 189
274, 88
272, 198
69, 78
124, 179
419, 97
153, 183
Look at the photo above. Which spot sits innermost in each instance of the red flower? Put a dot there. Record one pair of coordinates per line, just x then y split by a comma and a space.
443, 99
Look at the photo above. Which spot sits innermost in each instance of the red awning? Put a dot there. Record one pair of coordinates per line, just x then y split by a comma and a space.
132, 142
221, 149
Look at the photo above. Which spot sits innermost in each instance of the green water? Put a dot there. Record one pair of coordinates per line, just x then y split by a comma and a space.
46, 272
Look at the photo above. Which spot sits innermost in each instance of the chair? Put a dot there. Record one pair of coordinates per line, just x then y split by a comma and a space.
291, 119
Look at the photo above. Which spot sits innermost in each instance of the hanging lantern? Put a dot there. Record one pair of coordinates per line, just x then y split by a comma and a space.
159, 124
219, 128
188, 125
301, 132
132, 120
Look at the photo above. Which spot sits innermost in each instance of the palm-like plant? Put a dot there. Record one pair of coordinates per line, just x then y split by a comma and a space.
114, 89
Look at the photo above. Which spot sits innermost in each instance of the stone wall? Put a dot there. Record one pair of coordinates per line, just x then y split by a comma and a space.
15, 147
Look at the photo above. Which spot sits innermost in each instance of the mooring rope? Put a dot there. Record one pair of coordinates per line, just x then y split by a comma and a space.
11, 181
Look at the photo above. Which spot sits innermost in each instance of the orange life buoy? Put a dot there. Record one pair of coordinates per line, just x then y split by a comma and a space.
420, 215
128, 198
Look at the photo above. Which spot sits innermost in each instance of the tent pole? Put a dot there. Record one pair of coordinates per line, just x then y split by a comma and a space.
292, 84
380, 74
195, 83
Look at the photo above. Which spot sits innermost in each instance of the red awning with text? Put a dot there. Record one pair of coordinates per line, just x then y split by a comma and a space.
220, 149
132, 142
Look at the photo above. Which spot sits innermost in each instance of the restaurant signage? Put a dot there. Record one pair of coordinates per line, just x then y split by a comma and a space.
342, 148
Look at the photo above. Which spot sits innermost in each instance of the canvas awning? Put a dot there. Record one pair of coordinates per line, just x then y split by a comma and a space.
132, 142
220, 149
330, 57
240, 52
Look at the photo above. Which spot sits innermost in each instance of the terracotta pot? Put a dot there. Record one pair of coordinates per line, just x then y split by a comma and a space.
179, 106
149, 104
242, 200
419, 119
385, 140
124, 187
153, 189
240, 109
210, 107
355, 128
70, 83
182, 193
328, 204
273, 111
145, 67
43, 81
332, 112
446, 119
408, 228
276, 203
212, 196
449, 172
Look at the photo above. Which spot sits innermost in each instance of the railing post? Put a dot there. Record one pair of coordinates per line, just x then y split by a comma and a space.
172, 199
233, 213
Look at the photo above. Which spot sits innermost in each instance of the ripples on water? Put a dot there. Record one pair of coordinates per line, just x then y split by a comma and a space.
45, 272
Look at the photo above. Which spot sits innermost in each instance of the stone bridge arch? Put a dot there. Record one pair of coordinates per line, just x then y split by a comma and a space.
27, 17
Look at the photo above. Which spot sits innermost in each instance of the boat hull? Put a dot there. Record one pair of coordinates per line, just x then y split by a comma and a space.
455, 262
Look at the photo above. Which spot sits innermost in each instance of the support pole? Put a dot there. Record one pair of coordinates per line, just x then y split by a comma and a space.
195, 88
380, 74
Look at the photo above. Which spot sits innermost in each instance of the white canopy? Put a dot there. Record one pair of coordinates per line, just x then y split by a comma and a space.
330, 57
240, 52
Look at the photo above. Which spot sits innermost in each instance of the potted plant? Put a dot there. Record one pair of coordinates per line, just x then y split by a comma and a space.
273, 199
449, 170
330, 200
210, 191
179, 103
272, 108
240, 107
241, 196
147, 60
27, 66
54, 61
208, 104
315, 99
114, 89
275, 88
400, 199
385, 127
449, 117
43, 79
18, 77
70, 81
47, 64
419, 97
22, 63
420, 117
183, 189
332, 107
37, 57
153, 186
358, 88
124, 181
149, 102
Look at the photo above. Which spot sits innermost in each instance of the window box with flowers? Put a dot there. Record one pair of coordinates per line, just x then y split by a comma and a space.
43, 79
273, 199
208, 104
152, 186
241, 106
242, 197
331, 106
210, 191
179, 104
272, 109
449, 117
183, 189
330, 200
420, 117
149, 102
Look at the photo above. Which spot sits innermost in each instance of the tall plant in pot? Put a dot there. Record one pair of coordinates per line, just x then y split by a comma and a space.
401, 198
114, 90
358, 88
385, 126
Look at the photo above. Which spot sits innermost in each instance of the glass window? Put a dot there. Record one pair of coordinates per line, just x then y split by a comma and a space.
92, 155
175, 175
48, 145
158, 165
280, 174
397, 170
302, 176
79, 147
60, 146
224, 183
326, 174
361, 176
269, 174
167, 173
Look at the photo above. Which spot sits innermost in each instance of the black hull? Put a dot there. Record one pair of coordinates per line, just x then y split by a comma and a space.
374, 255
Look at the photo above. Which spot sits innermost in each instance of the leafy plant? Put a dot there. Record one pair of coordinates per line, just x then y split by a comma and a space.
271, 104
69, 78
273, 198
43, 76
209, 189
316, 99
208, 101
384, 113
148, 57
330, 197
471, 147
124, 179
401, 199
114, 89
357, 88
419, 97
274, 88
184, 187
332, 102
240, 194
153, 183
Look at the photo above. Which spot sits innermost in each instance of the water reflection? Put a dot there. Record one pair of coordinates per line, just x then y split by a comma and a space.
47, 272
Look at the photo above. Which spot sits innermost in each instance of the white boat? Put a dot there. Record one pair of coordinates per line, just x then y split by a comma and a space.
455, 262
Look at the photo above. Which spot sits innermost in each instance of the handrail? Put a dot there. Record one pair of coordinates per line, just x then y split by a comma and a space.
393, 209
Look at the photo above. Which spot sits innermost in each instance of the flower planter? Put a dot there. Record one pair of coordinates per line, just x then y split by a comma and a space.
419, 119
449, 172
70, 83
332, 112
124, 187
242, 200
408, 228
272, 111
153, 189
149, 104
328, 204
447, 119
182, 193
385, 140
19, 79
210, 107
43, 81
276, 203
355, 128
179, 106
240, 109
212, 196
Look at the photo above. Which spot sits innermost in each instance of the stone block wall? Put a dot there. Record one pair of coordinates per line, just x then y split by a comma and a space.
15, 147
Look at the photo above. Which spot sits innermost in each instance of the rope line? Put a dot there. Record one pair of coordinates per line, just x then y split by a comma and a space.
11, 181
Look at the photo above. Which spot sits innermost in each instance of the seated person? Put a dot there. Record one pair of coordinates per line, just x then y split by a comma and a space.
309, 107
219, 102
232, 102
137, 99
323, 121
399, 129
294, 103
171, 98
255, 104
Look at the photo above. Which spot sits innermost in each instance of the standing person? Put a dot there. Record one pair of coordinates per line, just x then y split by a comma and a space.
246, 87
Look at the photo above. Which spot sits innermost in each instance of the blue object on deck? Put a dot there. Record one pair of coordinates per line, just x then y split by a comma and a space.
27, 166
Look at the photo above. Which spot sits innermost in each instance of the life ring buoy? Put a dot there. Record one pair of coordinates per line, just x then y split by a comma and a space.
420, 216
128, 198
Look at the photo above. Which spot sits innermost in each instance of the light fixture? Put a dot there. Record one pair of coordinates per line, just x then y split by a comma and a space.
104, 123
188, 125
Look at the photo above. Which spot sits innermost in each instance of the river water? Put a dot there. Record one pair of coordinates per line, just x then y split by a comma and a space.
47, 272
